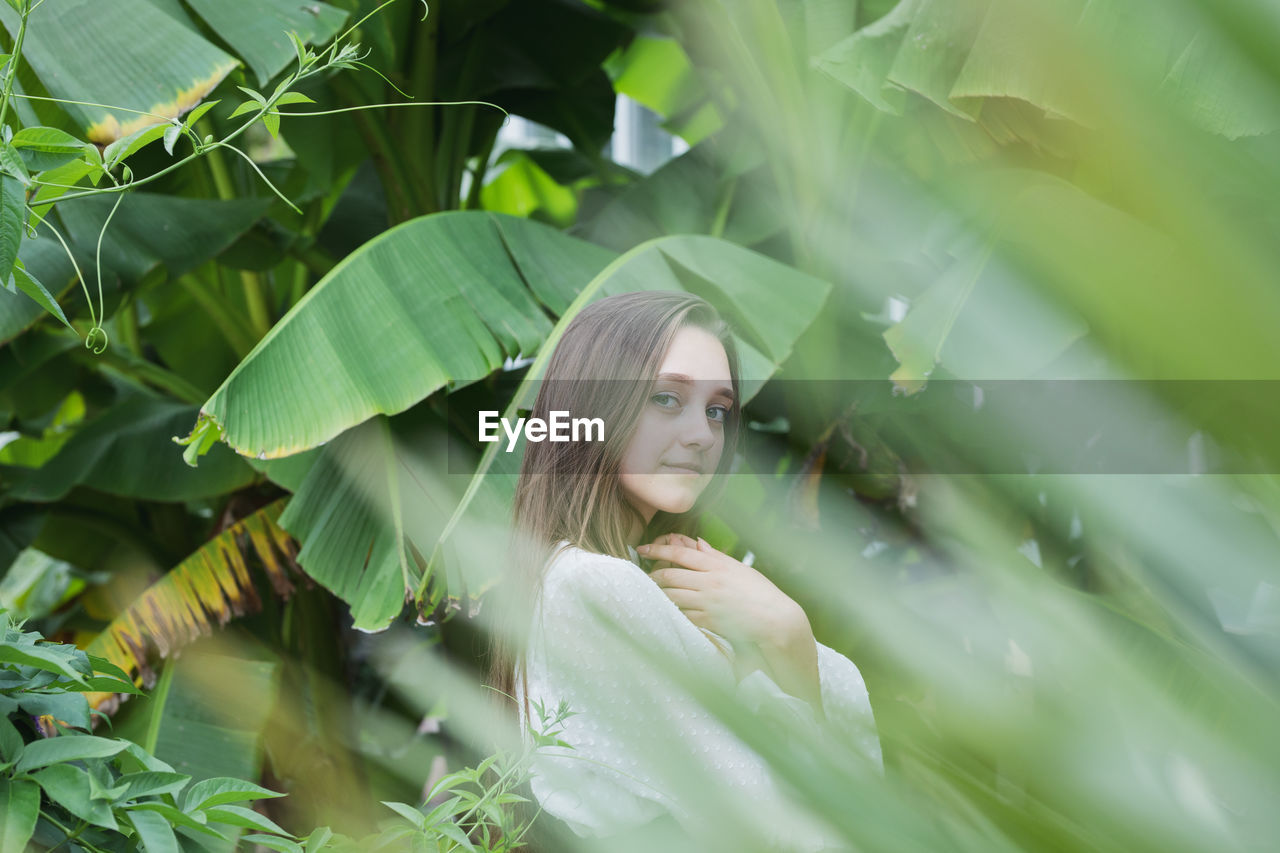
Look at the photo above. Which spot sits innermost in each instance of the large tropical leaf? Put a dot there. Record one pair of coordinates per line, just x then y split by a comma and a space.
25, 366
118, 52
350, 515
213, 583
150, 55
443, 299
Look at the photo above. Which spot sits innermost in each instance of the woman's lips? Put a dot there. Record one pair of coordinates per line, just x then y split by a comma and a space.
683, 469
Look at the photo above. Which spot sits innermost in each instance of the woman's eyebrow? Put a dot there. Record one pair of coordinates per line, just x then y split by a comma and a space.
682, 378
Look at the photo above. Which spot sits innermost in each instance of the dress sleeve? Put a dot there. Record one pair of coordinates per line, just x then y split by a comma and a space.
641, 744
845, 701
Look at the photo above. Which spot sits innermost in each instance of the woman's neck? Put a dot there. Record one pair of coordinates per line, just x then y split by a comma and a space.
636, 531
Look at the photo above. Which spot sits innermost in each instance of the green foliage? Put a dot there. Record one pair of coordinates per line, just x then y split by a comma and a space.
470, 809
60, 784
44, 153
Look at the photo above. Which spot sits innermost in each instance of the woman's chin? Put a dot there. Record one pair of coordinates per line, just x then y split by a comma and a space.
679, 500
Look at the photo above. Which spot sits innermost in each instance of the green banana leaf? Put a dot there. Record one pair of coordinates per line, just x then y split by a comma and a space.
350, 513
122, 53
439, 300
214, 583
89, 50
521, 187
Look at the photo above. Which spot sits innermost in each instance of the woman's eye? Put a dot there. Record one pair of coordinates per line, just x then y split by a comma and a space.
723, 414
666, 400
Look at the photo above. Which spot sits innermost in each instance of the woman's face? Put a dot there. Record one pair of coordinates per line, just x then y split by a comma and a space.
680, 436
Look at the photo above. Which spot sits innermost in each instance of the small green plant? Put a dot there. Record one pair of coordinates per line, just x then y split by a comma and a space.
474, 816
62, 786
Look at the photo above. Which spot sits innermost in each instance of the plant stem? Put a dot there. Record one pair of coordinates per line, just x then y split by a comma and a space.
420, 127
12, 71
254, 292
399, 189
722, 208
451, 157
255, 295
477, 177
460, 157
159, 698
498, 788
222, 182
307, 256
315, 259
69, 837
127, 322
298, 283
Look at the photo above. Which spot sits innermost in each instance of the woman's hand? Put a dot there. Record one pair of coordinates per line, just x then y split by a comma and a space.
724, 595
721, 594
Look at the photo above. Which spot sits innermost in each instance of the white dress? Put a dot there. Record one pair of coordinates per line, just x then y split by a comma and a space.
633, 719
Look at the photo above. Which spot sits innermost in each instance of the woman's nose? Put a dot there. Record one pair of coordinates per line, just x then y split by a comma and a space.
696, 431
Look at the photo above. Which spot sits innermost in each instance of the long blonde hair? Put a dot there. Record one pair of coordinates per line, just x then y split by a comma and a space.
605, 364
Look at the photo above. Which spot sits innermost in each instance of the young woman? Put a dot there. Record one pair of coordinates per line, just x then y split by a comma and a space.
613, 597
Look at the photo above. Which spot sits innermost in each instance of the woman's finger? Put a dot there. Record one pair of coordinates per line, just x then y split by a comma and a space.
684, 598
676, 578
699, 618
690, 558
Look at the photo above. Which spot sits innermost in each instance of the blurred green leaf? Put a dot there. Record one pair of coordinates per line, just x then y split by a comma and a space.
19, 808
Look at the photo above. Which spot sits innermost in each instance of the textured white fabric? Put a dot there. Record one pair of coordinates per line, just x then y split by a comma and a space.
631, 714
